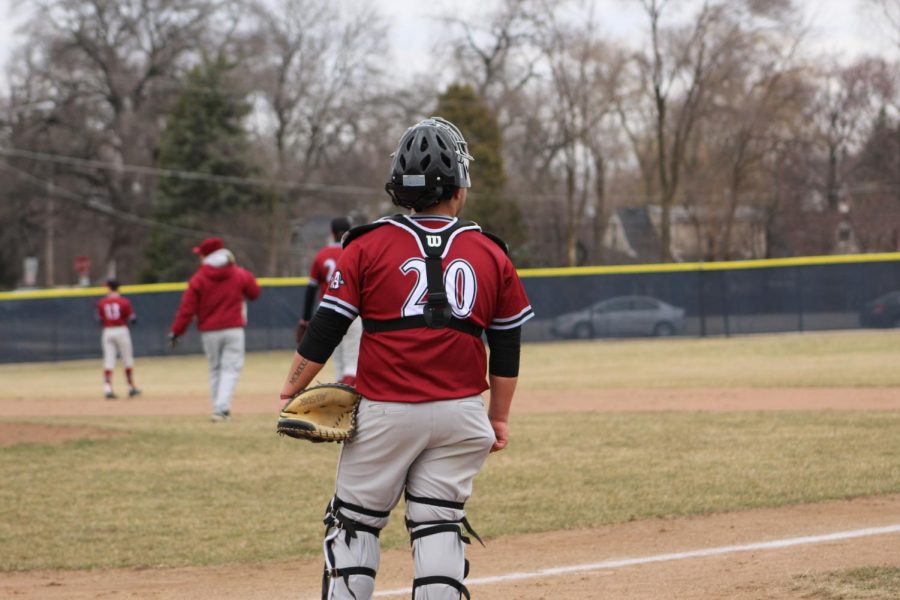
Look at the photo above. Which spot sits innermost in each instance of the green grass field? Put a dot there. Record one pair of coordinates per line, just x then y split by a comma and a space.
844, 359
178, 491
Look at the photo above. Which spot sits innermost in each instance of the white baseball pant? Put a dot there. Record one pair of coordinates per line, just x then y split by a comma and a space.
224, 351
116, 341
430, 450
346, 354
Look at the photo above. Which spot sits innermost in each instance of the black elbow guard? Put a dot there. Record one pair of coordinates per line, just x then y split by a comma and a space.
505, 347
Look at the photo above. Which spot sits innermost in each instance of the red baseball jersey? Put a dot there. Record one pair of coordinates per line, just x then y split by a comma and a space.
114, 310
323, 266
381, 275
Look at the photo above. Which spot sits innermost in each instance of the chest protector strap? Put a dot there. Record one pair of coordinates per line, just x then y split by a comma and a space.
436, 314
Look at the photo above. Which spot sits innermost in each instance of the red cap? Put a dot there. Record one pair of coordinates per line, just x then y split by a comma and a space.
208, 246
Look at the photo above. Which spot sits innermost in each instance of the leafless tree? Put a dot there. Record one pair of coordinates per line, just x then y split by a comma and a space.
580, 74
498, 55
318, 67
680, 68
93, 82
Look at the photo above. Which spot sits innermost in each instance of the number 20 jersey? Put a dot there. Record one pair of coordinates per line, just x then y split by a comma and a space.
381, 276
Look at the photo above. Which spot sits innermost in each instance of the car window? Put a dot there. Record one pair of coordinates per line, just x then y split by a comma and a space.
642, 304
618, 305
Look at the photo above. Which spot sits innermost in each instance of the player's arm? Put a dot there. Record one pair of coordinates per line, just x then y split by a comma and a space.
300, 375
503, 370
128, 313
186, 311
326, 329
309, 300
251, 287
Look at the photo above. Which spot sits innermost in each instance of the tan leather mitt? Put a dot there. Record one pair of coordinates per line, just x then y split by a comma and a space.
323, 413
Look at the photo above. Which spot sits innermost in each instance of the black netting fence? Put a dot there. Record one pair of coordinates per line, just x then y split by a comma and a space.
578, 303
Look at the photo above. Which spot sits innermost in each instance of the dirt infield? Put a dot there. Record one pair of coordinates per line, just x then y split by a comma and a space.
758, 574
731, 399
754, 575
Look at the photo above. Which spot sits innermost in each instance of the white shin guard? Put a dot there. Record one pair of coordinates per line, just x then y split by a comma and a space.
352, 551
438, 544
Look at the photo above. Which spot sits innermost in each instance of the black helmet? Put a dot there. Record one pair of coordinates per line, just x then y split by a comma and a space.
431, 161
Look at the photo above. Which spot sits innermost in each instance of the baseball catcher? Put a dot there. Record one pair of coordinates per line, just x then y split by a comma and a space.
324, 413
427, 286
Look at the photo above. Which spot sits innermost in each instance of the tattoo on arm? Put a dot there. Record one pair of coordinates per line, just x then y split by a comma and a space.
296, 374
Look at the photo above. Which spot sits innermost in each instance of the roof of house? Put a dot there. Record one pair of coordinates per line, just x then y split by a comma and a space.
640, 233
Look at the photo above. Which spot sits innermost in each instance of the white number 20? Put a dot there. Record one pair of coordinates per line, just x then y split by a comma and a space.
459, 283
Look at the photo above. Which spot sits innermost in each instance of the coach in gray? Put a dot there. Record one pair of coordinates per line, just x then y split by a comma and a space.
216, 295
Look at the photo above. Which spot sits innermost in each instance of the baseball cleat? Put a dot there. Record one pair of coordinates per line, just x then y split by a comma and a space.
110, 396
134, 392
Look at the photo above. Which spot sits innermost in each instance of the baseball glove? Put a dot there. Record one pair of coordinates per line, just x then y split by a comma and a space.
324, 413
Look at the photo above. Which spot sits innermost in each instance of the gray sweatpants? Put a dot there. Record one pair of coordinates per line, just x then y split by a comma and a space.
432, 450
224, 351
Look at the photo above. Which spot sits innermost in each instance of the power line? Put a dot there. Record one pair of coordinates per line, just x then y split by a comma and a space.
190, 175
97, 206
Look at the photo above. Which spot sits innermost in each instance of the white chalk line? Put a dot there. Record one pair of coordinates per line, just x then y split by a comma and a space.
704, 552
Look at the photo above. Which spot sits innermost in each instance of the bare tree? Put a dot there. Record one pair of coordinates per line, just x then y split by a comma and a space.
319, 67
93, 83
745, 121
844, 107
581, 77
678, 71
498, 55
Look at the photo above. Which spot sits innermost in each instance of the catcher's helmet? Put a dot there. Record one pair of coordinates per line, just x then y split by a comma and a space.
431, 161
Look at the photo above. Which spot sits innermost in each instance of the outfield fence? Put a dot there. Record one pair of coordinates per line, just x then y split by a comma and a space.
692, 299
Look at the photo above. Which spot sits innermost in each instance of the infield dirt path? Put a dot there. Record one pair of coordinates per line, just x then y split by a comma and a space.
755, 575
768, 574
706, 399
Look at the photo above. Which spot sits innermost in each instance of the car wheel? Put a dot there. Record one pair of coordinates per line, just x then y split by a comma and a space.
583, 331
664, 329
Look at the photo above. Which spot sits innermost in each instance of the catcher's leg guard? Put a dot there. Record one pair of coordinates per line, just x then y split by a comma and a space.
435, 532
351, 559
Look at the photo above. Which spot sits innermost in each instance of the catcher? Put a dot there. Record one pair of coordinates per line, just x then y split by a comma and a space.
427, 287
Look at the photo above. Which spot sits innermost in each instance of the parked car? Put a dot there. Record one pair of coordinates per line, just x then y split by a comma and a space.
883, 311
623, 316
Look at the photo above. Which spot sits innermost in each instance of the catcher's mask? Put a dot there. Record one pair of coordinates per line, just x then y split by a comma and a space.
431, 162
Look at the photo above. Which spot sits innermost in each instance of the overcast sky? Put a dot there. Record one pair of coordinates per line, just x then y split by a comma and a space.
839, 26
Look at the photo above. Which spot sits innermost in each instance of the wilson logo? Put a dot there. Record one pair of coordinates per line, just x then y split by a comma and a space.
433, 241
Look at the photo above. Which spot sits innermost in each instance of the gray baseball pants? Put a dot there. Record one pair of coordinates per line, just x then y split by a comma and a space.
432, 452
117, 340
224, 351
346, 354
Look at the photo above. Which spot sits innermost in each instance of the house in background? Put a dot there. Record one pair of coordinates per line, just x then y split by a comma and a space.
633, 231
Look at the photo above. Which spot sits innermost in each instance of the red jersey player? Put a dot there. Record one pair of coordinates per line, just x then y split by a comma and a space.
346, 354
427, 286
115, 314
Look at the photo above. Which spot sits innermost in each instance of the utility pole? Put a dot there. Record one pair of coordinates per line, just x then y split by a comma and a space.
49, 240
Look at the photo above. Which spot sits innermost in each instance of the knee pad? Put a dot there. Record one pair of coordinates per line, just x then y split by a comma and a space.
337, 525
434, 552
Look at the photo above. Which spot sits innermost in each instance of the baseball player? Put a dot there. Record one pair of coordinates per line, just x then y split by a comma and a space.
115, 314
427, 286
346, 354
216, 295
